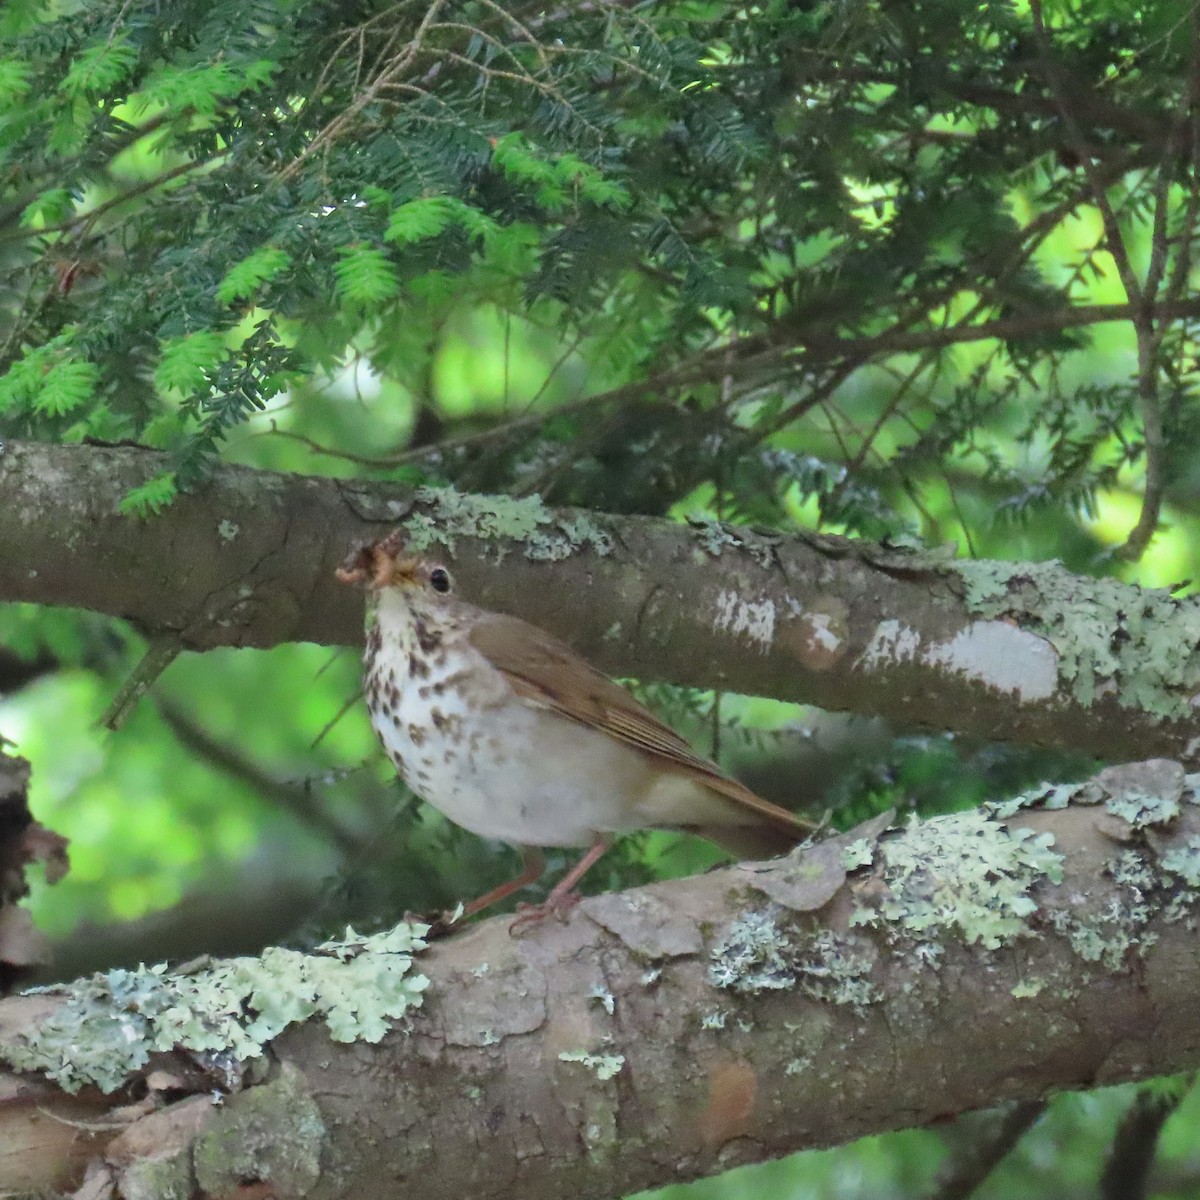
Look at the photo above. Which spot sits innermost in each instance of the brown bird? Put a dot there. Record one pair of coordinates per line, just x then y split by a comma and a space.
514, 736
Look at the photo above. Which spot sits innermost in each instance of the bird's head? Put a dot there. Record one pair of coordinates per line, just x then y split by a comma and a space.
384, 564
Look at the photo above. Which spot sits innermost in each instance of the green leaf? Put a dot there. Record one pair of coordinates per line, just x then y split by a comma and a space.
365, 275
243, 279
14, 79
67, 385
187, 363
151, 497
50, 208
420, 219
99, 68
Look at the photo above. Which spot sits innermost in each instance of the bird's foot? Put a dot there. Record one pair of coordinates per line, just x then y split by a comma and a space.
554, 905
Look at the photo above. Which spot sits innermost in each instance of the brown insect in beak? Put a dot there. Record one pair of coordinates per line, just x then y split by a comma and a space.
373, 564
356, 566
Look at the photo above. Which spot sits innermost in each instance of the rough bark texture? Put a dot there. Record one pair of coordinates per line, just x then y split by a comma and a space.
599, 1056
1000, 650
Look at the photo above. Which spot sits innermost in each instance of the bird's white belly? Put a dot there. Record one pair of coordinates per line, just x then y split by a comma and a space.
521, 775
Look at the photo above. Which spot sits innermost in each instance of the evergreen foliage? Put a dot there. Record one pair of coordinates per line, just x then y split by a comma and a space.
869, 229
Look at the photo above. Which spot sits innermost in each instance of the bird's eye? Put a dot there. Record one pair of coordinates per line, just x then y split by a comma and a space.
439, 579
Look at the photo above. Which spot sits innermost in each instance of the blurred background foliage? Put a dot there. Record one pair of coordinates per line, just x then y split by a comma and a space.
900, 270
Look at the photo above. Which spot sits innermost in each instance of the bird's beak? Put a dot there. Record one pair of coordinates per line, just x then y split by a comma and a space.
373, 564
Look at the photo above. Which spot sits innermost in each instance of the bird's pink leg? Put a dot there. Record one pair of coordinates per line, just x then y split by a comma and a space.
533, 867
563, 896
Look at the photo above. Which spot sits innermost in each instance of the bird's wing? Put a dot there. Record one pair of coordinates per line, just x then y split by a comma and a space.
548, 672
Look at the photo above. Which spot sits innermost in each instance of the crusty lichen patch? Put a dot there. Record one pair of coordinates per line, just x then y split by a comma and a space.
762, 952
444, 514
604, 1065
271, 1133
1110, 637
110, 1023
714, 537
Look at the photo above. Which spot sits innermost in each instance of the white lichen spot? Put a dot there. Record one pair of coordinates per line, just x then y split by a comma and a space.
651, 976
714, 1020
754, 619
1001, 655
892, 642
821, 633
227, 530
605, 1065
480, 971
604, 998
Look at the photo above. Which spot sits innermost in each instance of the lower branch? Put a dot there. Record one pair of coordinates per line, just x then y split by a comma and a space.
868, 982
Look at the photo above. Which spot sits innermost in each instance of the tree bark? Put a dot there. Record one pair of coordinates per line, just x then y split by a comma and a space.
866, 983
1021, 651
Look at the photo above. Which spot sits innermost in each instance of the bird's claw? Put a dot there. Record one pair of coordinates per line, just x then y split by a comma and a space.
529, 915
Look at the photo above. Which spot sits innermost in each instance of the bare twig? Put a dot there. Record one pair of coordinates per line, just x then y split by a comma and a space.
148, 185
1131, 1154
297, 799
160, 654
973, 1159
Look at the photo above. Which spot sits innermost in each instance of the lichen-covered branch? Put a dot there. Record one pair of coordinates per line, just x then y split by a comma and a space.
874, 980
1023, 651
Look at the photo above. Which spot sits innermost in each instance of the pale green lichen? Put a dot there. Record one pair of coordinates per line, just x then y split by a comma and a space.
962, 872
446, 514
110, 1023
605, 1065
758, 954
1027, 988
1048, 796
715, 1019
1184, 862
858, 854
1109, 636
1130, 869
1141, 809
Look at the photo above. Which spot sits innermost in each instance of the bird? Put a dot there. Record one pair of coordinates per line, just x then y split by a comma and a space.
516, 737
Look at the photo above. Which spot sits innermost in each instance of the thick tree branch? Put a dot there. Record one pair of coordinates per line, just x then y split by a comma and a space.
998, 650
868, 983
